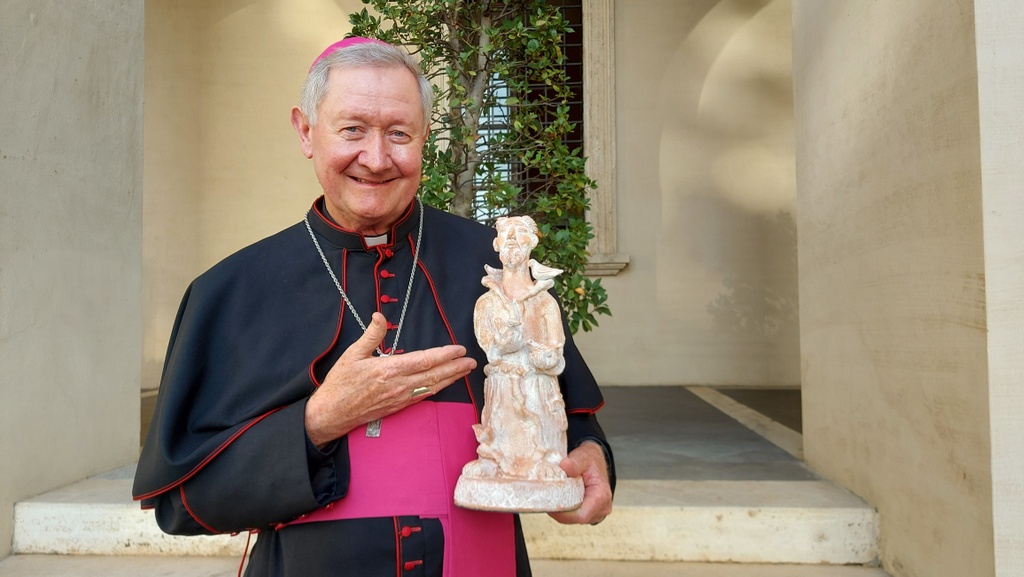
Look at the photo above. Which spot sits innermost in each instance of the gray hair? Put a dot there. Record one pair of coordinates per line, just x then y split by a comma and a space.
369, 54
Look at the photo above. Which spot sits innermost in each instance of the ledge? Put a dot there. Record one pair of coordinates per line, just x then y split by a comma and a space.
606, 264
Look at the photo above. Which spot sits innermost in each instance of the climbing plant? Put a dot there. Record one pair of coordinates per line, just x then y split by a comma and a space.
498, 129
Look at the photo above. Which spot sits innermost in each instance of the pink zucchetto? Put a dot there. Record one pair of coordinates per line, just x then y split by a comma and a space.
351, 41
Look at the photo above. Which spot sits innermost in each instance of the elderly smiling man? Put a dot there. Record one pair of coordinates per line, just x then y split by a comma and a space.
321, 385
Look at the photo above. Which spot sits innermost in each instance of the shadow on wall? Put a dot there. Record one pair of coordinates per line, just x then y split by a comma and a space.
728, 180
767, 302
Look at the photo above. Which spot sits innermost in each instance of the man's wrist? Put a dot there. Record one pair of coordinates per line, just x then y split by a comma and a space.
601, 445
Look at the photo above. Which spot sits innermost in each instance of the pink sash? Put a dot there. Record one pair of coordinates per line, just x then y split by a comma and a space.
411, 469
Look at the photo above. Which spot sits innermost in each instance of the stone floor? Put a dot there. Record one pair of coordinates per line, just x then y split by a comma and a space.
668, 433
781, 405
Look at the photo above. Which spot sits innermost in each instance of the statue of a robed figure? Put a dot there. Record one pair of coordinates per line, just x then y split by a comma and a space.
521, 434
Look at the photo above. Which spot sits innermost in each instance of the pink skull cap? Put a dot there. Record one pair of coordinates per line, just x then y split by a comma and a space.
350, 41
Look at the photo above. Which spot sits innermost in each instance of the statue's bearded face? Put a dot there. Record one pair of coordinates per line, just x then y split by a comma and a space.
515, 241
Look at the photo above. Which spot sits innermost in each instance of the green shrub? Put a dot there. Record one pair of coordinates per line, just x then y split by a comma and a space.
501, 58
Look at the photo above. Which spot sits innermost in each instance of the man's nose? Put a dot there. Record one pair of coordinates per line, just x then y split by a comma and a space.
376, 153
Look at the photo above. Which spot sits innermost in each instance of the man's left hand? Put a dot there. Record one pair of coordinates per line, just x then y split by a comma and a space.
587, 461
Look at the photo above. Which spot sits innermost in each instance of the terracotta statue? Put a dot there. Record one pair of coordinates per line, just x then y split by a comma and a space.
522, 429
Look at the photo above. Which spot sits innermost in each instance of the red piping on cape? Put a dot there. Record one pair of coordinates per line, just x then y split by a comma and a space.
341, 321
245, 554
376, 288
398, 548
184, 501
391, 232
586, 411
208, 458
447, 325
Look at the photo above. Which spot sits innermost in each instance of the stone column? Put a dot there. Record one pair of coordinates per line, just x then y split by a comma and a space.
1000, 93
70, 243
894, 249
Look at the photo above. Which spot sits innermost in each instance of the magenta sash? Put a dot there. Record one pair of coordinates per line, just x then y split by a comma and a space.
411, 469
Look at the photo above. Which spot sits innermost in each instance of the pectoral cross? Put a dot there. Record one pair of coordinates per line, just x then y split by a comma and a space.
373, 428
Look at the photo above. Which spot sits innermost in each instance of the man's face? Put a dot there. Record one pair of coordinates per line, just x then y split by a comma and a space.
515, 241
367, 146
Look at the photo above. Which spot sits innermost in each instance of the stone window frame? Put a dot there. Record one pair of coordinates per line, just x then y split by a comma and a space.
599, 135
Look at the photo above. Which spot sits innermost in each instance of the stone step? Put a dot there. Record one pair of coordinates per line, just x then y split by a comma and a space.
810, 522
128, 566
719, 521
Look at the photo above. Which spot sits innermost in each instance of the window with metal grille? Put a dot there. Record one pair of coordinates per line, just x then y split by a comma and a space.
496, 118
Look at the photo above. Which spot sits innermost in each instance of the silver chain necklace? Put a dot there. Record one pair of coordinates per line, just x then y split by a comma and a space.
348, 303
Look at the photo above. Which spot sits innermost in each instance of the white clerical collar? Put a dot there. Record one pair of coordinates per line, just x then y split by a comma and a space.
372, 241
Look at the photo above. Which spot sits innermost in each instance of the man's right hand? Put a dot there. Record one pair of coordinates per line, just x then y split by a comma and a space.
361, 387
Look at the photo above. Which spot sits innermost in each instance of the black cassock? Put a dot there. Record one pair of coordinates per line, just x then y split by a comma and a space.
256, 334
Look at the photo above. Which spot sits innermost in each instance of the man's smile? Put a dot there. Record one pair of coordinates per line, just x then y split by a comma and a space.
371, 182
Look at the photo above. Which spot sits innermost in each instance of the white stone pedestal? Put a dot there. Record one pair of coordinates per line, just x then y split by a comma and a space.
519, 495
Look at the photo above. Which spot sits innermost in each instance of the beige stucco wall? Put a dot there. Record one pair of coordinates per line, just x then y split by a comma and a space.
1000, 93
706, 198
892, 260
223, 166
705, 173
172, 242
70, 243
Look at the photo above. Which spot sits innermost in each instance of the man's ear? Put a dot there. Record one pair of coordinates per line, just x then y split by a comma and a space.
302, 127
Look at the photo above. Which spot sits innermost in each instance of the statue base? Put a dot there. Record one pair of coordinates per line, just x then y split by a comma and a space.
510, 495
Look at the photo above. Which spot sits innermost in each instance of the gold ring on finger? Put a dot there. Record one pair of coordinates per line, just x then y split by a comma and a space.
420, 391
